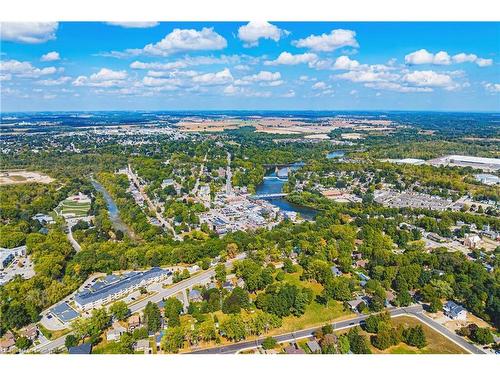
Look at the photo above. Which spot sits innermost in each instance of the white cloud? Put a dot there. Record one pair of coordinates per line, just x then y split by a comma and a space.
157, 65
51, 56
353, 92
54, 82
218, 78
107, 74
187, 61
423, 56
134, 25
320, 86
255, 30
182, 40
464, 57
367, 75
428, 78
345, 63
393, 86
5, 77
492, 87
286, 58
263, 75
103, 78
170, 83
28, 32
328, 42
483, 62
24, 69
265, 78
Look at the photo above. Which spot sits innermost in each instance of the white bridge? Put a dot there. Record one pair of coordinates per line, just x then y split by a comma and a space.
268, 196
275, 178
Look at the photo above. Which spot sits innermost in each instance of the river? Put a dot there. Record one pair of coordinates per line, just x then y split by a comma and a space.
274, 185
114, 212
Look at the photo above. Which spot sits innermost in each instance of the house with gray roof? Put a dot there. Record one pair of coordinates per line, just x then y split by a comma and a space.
454, 311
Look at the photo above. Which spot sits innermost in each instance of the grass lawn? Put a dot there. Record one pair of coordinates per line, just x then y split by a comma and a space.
436, 343
52, 335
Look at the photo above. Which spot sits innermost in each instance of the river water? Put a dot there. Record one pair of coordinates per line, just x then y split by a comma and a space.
114, 213
274, 185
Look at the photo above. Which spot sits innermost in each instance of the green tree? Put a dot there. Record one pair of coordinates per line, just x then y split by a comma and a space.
173, 339
173, 308
119, 310
23, 343
220, 273
234, 328
71, 341
415, 336
269, 343
152, 317
482, 336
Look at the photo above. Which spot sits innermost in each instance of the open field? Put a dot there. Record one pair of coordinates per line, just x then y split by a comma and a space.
23, 177
69, 207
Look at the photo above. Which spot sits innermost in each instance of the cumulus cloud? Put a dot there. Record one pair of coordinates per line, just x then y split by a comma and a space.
218, 78
183, 40
345, 63
134, 25
24, 69
286, 58
103, 78
423, 56
166, 83
51, 56
233, 90
255, 30
28, 32
428, 78
492, 87
328, 42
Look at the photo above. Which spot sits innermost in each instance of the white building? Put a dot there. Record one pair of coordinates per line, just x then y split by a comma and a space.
8, 255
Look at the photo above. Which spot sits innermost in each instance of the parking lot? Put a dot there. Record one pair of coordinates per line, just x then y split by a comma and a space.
20, 266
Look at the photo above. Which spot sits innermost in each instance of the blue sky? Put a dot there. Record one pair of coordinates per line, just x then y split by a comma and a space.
255, 65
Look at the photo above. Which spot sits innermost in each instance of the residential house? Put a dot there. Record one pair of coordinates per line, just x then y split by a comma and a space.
30, 332
472, 241
7, 342
134, 322
294, 349
195, 296
142, 346
115, 332
335, 271
313, 346
454, 311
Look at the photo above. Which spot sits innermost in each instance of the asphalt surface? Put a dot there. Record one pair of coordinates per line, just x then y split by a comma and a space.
415, 310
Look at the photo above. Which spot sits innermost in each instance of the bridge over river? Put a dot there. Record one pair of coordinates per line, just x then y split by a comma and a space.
268, 196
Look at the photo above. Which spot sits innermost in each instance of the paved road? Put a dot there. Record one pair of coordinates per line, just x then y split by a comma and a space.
72, 240
165, 293
415, 311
